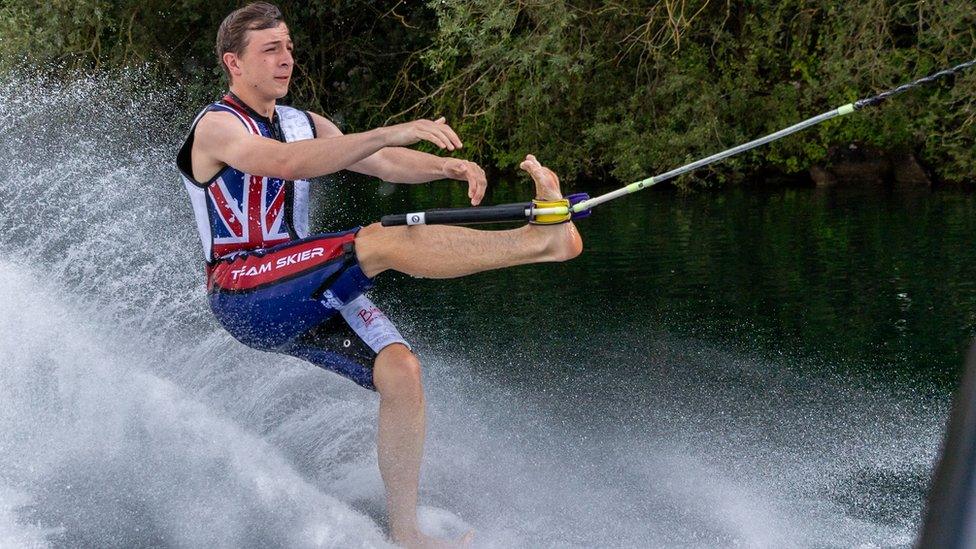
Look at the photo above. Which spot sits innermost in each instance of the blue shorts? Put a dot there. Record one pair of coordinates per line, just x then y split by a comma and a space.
304, 298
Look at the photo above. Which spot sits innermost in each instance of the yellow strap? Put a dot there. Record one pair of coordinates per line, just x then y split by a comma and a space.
550, 219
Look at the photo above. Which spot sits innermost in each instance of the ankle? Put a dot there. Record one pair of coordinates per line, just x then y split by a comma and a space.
557, 242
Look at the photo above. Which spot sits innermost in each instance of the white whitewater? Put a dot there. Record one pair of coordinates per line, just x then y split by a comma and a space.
129, 419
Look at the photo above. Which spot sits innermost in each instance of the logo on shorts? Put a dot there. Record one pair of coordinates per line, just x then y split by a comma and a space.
272, 264
330, 300
369, 315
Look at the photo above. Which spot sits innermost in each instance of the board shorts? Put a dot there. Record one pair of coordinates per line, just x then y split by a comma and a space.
304, 298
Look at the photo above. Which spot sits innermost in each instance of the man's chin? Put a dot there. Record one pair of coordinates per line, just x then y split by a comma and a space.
281, 90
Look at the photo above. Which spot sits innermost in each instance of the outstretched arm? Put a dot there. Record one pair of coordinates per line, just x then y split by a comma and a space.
220, 139
402, 165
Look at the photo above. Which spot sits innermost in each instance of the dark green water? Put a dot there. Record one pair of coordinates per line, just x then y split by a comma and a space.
874, 282
801, 342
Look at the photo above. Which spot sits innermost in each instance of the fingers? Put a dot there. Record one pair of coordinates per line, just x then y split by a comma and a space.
436, 138
438, 133
434, 131
465, 170
477, 183
449, 132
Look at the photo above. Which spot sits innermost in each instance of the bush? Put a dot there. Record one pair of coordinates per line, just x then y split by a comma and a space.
634, 88
623, 88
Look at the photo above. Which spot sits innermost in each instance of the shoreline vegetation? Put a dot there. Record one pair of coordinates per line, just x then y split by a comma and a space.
603, 91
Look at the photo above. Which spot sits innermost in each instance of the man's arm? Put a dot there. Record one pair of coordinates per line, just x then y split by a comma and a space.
221, 139
402, 165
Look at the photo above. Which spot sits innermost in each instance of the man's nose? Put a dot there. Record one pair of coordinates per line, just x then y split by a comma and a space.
287, 58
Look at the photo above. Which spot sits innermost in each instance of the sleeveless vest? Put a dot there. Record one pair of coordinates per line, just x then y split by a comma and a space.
236, 211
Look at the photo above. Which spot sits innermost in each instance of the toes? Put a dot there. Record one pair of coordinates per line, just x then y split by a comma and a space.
552, 174
530, 159
546, 181
535, 170
530, 164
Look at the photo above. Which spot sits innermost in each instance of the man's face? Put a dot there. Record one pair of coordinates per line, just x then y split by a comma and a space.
266, 62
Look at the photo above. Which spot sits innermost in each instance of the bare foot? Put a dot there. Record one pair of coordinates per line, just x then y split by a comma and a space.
546, 181
564, 242
421, 541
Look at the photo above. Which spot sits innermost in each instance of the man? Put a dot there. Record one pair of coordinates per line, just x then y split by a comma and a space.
275, 287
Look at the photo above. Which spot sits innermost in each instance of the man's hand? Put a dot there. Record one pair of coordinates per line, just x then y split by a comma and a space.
464, 170
434, 131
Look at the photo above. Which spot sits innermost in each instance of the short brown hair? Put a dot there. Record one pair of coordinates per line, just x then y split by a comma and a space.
232, 36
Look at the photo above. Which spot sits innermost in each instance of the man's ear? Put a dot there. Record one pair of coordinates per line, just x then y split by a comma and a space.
231, 60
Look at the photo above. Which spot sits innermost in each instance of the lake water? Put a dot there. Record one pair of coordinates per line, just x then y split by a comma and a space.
875, 283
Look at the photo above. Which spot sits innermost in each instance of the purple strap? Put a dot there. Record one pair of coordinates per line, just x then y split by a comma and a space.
575, 199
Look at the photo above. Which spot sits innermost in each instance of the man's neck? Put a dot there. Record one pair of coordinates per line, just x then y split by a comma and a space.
264, 107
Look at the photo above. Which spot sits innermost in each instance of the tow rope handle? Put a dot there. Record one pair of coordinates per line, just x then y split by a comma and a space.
540, 212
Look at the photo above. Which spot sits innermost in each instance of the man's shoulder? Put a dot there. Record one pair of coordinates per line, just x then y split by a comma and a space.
216, 122
213, 131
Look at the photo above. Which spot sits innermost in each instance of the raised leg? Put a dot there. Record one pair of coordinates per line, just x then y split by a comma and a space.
439, 251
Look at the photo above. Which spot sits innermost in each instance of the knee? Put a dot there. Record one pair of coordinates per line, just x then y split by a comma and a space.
373, 245
397, 372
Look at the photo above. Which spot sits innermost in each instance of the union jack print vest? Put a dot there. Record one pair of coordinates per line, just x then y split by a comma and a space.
236, 211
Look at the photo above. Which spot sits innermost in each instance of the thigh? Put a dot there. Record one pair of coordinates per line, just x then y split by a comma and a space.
349, 342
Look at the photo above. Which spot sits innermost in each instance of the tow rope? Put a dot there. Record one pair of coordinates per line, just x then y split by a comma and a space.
580, 204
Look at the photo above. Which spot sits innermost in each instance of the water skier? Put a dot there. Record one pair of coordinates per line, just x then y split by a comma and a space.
276, 287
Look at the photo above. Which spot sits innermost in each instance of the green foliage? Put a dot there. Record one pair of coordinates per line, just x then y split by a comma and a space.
634, 87
357, 61
622, 88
